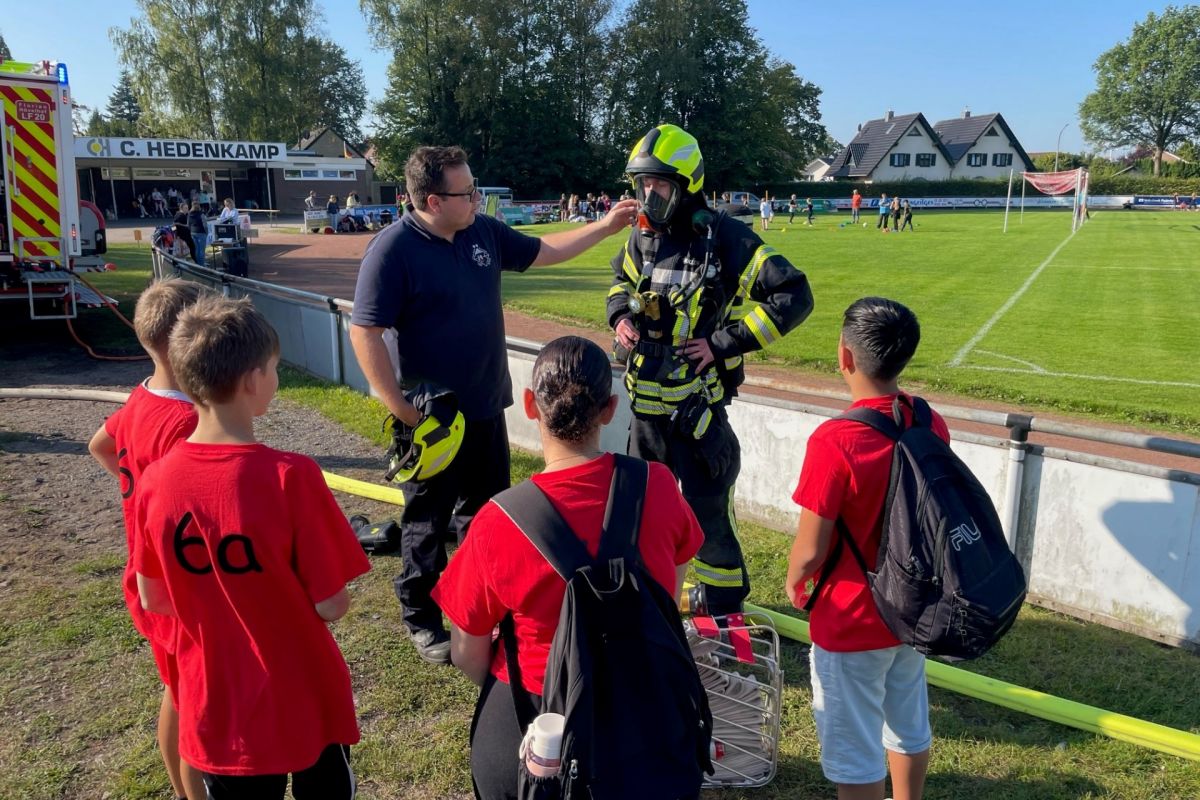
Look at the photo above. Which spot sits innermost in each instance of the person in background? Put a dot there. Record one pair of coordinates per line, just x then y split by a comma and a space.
497, 571
793, 207
331, 208
183, 231
896, 214
809, 210
352, 202
228, 212
855, 206
564, 210
906, 217
160, 205
310, 202
765, 212
885, 210
198, 226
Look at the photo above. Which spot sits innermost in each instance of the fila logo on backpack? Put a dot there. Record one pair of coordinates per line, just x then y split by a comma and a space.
945, 580
637, 723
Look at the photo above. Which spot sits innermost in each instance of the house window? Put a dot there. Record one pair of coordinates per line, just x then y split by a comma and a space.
319, 174
914, 132
991, 132
977, 160
1001, 159
899, 159
926, 159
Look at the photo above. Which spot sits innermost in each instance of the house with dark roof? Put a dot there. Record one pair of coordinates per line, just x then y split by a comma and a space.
895, 148
904, 147
982, 146
818, 169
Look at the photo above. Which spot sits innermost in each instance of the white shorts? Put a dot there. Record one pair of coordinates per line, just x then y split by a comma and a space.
865, 702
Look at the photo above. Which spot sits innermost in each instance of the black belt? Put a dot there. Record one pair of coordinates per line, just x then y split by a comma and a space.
654, 349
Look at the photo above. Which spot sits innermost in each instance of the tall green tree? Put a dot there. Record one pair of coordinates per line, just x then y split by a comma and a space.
123, 111
246, 69
1148, 87
5, 53
699, 64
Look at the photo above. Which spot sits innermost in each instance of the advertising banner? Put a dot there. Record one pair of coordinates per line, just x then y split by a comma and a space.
178, 149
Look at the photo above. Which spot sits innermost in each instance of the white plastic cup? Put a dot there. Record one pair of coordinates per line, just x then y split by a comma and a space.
542, 745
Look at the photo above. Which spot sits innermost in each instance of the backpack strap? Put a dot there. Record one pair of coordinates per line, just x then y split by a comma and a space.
623, 514
536, 517
881, 422
842, 540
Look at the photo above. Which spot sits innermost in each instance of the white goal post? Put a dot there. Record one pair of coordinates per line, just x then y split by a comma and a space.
1074, 182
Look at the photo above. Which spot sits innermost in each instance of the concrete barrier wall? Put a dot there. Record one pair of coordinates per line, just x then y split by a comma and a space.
1113, 542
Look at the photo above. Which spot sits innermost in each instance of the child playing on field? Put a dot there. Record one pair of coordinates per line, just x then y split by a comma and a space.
246, 547
155, 418
869, 694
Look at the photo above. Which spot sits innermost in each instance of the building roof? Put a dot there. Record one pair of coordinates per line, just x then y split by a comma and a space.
960, 134
875, 138
307, 142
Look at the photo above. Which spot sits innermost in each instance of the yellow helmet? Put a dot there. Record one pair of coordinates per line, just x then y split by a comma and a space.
419, 453
670, 151
666, 152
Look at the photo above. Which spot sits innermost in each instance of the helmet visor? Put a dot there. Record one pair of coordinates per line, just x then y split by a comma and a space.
657, 196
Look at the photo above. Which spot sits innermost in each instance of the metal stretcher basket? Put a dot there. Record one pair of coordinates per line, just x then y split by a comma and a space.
738, 661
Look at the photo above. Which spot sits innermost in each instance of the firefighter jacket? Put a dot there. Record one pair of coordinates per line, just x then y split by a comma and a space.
726, 286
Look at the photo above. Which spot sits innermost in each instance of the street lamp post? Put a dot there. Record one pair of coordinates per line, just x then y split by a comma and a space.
1057, 142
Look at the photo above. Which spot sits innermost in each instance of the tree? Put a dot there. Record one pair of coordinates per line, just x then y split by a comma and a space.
122, 112
5, 53
1148, 88
243, 69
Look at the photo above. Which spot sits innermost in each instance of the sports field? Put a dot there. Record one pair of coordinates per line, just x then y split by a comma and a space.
1100, 322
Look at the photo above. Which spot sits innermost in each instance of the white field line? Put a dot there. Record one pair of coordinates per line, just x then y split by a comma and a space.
1098, 378
1008, 304
1032, 366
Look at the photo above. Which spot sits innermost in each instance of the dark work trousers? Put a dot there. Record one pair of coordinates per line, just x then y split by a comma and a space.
707, 485
443, 504
331, 778
495, 738
883, 221
907, 223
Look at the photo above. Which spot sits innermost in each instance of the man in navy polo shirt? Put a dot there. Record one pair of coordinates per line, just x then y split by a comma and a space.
435, 279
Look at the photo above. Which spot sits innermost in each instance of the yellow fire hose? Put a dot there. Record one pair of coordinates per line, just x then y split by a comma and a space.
1038, 704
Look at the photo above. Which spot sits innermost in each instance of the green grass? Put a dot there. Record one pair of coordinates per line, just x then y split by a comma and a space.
78, 694
1116, 305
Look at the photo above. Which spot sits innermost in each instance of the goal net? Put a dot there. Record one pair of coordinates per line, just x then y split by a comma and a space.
1073, 182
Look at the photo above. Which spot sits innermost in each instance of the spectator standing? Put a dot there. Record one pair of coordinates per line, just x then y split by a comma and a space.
444, 248
809, 210
497, 571
564, 208
765, 212
885, 210
855, 206
247, 549
896, 214
793, 207
183, 231
172, 197
331, 208
310, 202
870, 701
198, 226
160, 205
906, 217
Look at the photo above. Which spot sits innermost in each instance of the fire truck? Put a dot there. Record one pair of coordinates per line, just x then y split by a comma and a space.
47, 237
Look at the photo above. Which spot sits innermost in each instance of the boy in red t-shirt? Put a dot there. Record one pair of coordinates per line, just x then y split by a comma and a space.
247, 548
869, 693
156, 417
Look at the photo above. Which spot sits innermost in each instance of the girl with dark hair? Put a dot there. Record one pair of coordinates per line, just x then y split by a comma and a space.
498, 571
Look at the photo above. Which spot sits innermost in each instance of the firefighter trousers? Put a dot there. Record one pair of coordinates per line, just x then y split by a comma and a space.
706, 471
444, 504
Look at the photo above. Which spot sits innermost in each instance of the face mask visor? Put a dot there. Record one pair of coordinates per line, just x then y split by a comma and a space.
657, 196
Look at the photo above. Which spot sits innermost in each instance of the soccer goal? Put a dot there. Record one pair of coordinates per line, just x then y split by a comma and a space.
1074, 182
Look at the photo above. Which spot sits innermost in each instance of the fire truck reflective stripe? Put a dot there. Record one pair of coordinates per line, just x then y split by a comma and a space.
33, 160
37, 200
39, 136
32, 225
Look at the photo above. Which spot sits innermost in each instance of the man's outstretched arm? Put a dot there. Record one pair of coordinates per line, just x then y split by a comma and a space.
559, 247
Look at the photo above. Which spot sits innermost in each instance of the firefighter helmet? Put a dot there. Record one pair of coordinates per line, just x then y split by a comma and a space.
669, 152
418, 453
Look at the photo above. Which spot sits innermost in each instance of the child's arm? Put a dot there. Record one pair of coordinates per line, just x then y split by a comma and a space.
104, 449
154, 596
471, 654
813, 534
334, 608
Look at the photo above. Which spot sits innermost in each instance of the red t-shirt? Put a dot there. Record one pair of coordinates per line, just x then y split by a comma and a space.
856, 201
248, 540
144, 429
497, 569
846, 470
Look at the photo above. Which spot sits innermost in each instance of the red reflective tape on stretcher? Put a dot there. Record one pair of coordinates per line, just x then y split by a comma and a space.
739, 637
706, 627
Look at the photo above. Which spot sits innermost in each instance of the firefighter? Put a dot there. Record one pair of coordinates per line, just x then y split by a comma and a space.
693, 291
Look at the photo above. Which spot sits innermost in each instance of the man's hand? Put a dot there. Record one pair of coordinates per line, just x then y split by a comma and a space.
698, 351
627, 334
407, 413
621, 216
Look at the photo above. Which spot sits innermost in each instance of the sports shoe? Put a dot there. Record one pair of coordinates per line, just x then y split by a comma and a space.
432, 646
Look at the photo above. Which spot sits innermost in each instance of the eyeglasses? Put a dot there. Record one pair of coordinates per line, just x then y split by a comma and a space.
471, 194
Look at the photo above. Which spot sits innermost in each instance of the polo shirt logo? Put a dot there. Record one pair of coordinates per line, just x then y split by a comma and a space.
481, 257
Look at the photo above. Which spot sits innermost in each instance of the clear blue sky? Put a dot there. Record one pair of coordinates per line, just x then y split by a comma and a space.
1031, 61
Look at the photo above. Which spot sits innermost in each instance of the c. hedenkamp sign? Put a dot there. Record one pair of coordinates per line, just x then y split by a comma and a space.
179, 149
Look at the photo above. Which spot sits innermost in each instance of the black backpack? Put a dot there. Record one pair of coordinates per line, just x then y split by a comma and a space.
945, 580
620, 670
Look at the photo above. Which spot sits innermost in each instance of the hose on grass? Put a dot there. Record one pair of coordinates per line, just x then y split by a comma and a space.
113, 308
1150, 735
